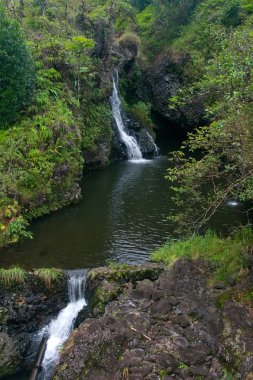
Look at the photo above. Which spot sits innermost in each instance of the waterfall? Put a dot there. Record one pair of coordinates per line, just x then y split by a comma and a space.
60, 328
152, 141
133, 149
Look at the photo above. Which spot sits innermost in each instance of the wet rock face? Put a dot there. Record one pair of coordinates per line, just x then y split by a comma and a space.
24, 309
161, 81
147, 147
160, 324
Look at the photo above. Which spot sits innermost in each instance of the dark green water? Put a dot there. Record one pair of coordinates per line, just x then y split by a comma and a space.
122, 217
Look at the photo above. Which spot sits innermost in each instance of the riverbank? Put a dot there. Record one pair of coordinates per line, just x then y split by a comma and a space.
155, 322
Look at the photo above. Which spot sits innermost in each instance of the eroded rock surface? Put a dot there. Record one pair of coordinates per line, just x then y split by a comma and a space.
162, 324
24, 309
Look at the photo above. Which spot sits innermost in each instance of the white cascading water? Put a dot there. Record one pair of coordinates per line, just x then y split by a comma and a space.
133, 149
154, 144
60, 328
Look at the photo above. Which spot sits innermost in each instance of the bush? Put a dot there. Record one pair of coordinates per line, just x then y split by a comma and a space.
12, 276
130, 40
48, 275
142, 113
17, 75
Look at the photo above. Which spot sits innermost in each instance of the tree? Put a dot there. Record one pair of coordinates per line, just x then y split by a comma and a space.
17, 75
220, 167
79, 47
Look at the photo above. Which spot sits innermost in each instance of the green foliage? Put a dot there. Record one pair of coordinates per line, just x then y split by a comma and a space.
142, 113
160, 22
130, 40
13, 226
17, 76
227, 256
48, 275
219, 40
17, 229
12, 276
98, 120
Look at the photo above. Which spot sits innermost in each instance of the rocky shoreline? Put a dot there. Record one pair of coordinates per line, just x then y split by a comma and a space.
151, 322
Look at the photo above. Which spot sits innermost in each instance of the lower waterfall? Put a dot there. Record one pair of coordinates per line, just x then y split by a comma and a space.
60, 328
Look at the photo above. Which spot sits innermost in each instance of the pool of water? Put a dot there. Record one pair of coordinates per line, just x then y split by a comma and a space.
122, 217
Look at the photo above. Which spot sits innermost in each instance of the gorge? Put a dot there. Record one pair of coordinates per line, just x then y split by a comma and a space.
126, 189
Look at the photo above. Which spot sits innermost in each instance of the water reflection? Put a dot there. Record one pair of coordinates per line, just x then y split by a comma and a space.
122, 216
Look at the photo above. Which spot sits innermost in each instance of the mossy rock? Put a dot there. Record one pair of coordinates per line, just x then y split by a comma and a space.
106, 292
122, 274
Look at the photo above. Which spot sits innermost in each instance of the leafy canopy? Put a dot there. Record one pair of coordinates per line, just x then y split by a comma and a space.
17, 75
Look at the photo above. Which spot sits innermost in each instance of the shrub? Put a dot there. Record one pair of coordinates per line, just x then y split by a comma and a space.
130, 40
12, 276
48, 275
141, 112
17, 75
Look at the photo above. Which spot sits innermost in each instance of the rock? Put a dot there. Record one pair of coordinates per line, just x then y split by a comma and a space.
107, 291
164, 323
199, 371
195, 354
161, 81
249, 259
173, 300
10, 358
144, 289
100, 156
219, 285
122, 275
161, 307
180, 320
24, 309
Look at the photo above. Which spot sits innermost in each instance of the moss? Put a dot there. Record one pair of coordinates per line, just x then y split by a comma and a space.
106, 292
222, 298
3, 315
123, 273
101, 357
163, 373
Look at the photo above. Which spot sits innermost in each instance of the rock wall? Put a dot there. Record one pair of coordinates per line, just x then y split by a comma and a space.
24, 309
161, 81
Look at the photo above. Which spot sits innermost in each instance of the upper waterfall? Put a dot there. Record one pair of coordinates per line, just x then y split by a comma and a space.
133, 149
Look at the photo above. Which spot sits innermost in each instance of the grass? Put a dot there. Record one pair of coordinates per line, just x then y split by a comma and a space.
227, 255
12, 276
48, 275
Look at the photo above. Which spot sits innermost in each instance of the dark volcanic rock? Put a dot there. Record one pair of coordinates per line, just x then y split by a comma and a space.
24, 309
161, 81
159, 323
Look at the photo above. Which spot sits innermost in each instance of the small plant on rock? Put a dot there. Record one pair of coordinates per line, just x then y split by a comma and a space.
48, 275
12, 276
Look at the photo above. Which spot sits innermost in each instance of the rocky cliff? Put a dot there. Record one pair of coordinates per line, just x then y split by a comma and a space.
24, 309
152, 322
